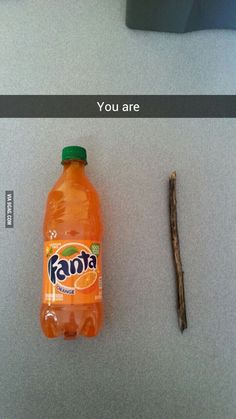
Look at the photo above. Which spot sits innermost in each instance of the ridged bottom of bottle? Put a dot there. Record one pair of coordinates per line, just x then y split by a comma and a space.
71, 321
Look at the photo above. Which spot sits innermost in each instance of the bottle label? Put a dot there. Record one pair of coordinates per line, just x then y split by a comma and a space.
72, 272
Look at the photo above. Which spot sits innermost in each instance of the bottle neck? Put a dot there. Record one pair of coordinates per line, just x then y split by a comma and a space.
74, 168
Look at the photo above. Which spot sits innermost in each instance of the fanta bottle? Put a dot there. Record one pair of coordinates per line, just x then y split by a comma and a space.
72, 270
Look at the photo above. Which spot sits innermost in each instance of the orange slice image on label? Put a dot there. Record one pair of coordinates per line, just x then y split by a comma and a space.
86, 280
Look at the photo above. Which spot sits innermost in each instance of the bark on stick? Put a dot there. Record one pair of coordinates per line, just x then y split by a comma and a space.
181, 306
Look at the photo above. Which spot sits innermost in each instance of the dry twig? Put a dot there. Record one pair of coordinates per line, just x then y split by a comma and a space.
181, 306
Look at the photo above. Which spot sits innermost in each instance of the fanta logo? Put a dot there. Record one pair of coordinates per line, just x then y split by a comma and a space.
59, 269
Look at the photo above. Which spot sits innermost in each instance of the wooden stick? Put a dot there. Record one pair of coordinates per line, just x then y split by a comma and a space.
181, 306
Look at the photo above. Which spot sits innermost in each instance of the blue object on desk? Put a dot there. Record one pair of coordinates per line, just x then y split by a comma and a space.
181, 15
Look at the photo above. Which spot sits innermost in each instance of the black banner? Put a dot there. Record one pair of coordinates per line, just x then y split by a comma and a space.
117, 106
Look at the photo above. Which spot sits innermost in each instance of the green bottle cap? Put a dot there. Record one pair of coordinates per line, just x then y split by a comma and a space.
74, 152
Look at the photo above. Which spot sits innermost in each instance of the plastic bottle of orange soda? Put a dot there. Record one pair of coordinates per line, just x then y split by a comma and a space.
72, 270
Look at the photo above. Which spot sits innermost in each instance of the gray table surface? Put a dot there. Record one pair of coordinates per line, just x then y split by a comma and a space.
84, 47
140, 366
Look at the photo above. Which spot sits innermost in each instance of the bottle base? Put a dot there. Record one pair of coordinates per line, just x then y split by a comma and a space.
71, 321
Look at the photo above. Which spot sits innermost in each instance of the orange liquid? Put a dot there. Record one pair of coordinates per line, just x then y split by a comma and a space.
72, 213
